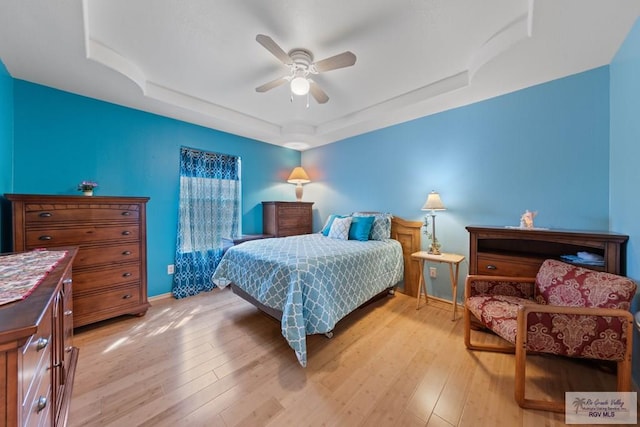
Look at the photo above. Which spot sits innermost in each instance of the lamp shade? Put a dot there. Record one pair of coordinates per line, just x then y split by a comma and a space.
298, 176
433, 203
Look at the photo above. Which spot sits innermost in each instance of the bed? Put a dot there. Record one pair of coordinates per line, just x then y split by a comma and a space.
310, 282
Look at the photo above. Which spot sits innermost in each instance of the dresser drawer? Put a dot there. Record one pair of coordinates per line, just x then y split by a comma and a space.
504, 265
62, 236
88, 280
299, 221
288, 215
293, 231
114, 299
81, 213
36, 355
100, 255
36, 411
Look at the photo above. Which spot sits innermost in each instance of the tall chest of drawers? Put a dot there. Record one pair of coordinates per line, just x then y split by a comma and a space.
281, 219
37, 357
110, 269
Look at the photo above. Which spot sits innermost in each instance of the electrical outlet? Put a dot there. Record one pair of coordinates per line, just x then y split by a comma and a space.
433, 272
170, 269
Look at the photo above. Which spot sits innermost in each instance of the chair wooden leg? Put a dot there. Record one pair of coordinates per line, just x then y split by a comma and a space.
624, 374
521, 368
481, 347
467, 327
519, 386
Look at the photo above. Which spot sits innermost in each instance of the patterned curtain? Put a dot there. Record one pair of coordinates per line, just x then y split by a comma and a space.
209, 211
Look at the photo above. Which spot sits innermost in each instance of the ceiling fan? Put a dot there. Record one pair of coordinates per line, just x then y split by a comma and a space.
301, 66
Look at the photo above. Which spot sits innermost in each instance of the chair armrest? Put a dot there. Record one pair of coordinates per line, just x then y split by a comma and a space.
477, 284
588, 332
584, 311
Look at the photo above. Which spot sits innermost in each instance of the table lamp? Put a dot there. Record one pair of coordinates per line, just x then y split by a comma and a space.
433, 204
298, 176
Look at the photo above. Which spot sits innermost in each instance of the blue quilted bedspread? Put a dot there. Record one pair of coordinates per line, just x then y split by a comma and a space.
314, 280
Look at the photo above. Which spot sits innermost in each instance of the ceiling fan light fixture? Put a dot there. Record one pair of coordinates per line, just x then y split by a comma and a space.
300, 85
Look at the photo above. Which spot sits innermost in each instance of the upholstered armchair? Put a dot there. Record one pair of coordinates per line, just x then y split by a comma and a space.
565, 310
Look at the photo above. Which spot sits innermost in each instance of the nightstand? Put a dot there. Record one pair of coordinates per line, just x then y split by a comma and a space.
452, 260
283, 219
227, 242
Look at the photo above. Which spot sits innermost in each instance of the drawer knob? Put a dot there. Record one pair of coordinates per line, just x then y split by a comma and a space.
491, 267
41, 343
127, 274
42, 403
126, 232
45, 215
45, 238
126, 213
68, 312
126, 253
126, 296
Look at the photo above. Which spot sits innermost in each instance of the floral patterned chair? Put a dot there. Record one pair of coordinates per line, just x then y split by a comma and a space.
565, 310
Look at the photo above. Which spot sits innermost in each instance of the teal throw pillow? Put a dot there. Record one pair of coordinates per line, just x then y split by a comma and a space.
360, 228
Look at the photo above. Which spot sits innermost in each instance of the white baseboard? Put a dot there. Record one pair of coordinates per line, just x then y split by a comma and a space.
161, 296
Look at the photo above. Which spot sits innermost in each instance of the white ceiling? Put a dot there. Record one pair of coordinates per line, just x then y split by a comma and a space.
198, 60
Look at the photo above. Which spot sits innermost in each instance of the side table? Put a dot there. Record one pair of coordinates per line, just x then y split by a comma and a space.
227, 242
452, 260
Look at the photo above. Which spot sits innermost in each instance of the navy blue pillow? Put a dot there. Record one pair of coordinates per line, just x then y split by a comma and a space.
360, 228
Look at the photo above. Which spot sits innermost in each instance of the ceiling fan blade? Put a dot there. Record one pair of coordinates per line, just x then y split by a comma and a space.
273, 47
270, 85
345, 59
317, 92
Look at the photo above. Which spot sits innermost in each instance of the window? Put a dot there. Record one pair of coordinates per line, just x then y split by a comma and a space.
209, 211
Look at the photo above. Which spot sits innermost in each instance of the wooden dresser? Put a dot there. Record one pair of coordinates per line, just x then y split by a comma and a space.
37, 357
282, 219
520, 252
110, 270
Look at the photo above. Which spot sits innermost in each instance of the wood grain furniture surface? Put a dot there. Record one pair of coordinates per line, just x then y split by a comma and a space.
37, 356
453, 260
501, 251
408, 234
281, 219
245, 238
110, 270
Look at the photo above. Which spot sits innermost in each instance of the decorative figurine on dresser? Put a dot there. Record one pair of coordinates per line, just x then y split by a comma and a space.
110, 269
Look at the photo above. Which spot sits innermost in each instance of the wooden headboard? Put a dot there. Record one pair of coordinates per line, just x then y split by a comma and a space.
408, 234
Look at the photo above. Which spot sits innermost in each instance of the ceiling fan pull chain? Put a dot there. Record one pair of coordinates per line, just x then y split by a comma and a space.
307, 99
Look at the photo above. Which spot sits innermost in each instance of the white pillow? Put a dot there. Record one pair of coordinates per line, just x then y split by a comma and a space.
340, 228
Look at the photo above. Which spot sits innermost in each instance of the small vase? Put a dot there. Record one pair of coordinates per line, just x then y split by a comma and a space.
88, 192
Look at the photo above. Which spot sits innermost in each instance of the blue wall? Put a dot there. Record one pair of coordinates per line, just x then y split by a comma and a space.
62, 139
625, 152
544, 148
6, 148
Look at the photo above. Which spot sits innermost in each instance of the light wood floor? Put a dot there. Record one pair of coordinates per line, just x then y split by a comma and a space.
214, 360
